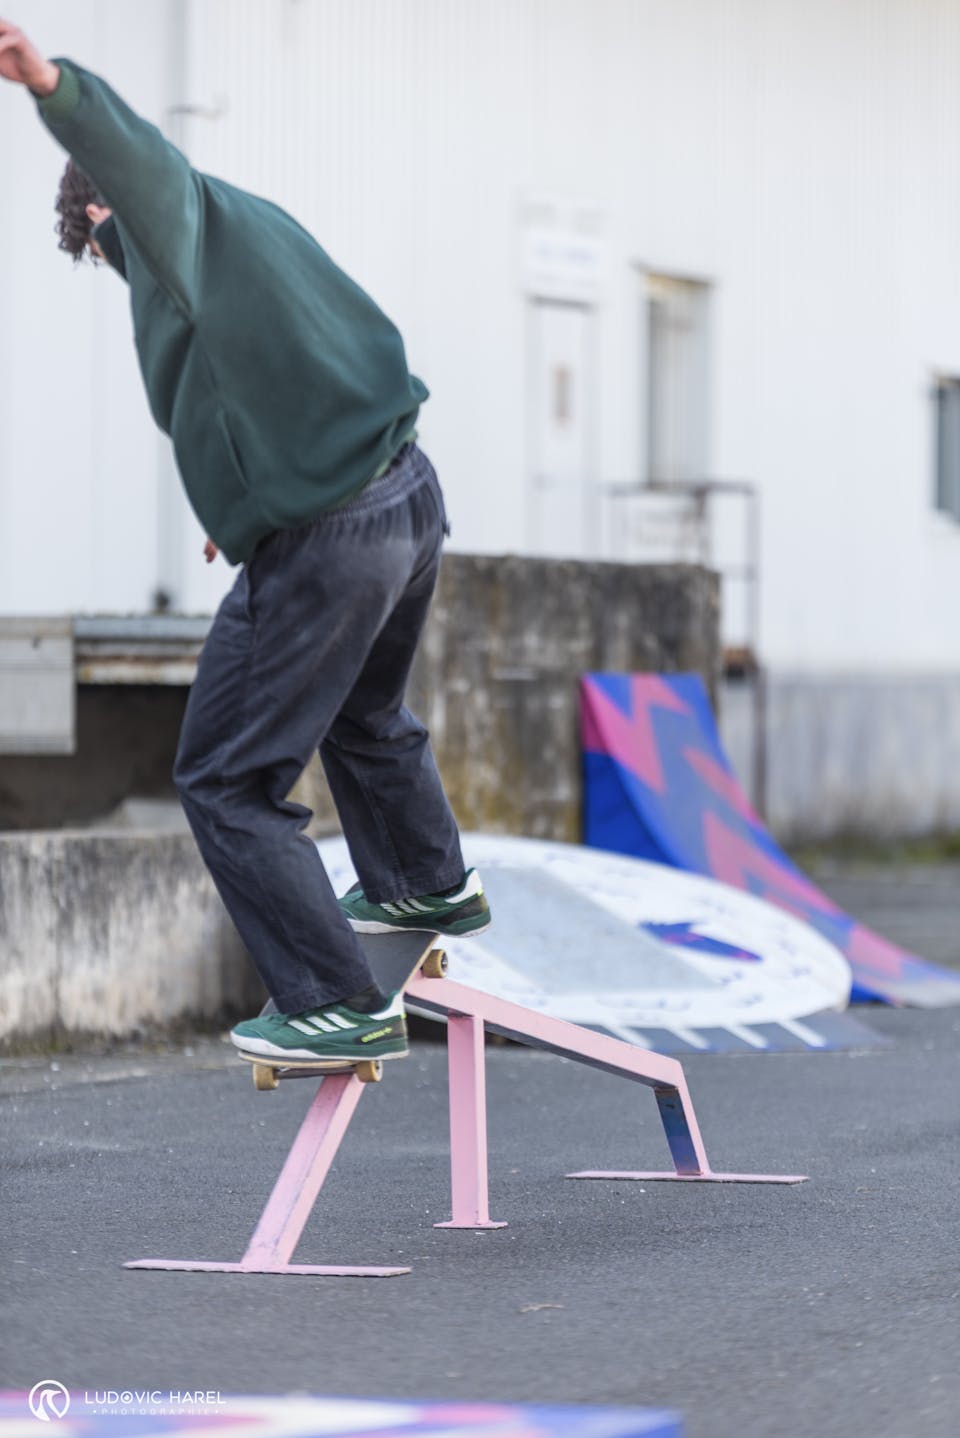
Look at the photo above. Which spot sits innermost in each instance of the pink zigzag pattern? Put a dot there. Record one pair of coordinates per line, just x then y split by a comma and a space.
722, 782
735, 861
630, 738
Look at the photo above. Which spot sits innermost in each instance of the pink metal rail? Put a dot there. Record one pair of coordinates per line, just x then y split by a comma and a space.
468, 1012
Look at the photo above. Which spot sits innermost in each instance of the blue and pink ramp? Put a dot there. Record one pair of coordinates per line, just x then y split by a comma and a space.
658, 785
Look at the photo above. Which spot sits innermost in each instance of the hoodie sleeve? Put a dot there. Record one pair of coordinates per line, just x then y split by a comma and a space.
145, 180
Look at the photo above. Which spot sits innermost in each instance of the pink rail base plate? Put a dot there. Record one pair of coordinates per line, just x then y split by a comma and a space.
311, 1270
469, 1013
695, 1177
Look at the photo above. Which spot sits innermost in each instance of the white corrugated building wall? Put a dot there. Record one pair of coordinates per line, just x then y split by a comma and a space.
716, 239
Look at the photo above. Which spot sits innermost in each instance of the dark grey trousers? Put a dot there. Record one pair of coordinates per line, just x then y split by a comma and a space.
312, 649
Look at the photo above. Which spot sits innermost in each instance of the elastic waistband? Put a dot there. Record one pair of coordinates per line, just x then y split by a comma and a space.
408, 471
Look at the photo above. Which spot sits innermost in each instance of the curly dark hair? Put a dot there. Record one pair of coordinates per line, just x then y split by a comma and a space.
76, 192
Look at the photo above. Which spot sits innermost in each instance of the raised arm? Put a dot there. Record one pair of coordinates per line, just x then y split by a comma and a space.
144, 179
22, 62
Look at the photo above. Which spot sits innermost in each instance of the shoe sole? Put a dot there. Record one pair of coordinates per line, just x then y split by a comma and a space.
303, 1058
375, 926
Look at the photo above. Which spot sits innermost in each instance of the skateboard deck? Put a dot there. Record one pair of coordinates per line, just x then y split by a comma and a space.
395, 959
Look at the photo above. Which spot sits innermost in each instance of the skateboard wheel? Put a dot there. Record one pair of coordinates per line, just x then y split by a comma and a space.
265, 1078
369, 1071
435, 965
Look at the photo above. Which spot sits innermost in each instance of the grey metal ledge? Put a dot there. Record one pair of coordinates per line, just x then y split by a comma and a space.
138, 649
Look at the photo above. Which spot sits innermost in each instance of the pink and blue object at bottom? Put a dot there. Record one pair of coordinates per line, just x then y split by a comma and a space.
308, 1417
658, 785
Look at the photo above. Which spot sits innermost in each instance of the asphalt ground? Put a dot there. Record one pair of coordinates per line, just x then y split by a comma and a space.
826, 1308
829, 1308
916, 905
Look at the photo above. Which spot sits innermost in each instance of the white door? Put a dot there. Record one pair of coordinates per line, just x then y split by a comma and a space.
559, 521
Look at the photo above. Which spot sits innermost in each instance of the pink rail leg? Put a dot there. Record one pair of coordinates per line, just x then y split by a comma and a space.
686, 1147
295, 1192
466, 1062
301, 1178
664, 1075
681, 1128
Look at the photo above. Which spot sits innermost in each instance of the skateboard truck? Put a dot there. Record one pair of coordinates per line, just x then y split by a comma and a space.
469, 1012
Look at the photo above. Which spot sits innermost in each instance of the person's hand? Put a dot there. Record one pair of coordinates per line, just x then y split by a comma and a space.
22, 62
210, 551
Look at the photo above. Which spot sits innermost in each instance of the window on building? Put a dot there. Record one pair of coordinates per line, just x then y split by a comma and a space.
946, 400
677, 409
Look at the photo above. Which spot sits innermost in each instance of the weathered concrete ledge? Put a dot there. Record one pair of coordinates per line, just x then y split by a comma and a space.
110, 935
496, 676
495, 680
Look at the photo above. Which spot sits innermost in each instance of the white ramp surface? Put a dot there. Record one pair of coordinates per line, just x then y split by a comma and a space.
665, 959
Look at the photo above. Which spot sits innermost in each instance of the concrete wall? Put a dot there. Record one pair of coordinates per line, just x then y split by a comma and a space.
110, 934
496, 677
495, 680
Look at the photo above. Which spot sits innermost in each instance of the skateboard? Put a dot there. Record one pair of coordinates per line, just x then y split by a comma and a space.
395, 960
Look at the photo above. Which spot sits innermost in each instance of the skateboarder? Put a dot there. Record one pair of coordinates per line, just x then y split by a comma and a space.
292, 412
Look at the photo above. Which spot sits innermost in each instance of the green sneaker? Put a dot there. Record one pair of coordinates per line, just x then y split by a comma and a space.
334, 1032
465, 912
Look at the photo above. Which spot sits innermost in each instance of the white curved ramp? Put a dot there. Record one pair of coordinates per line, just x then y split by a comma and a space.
667, 960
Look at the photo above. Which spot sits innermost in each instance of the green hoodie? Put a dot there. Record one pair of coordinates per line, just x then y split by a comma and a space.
283, 386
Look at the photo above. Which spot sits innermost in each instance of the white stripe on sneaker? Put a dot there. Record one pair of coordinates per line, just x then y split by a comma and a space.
343, 1022
322, 1025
